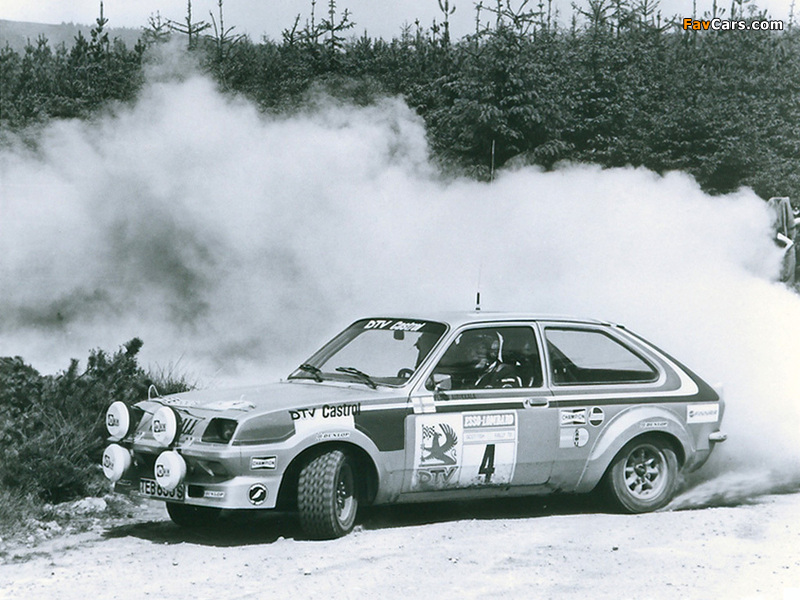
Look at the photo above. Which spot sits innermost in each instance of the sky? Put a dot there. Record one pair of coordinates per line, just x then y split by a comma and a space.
270, 17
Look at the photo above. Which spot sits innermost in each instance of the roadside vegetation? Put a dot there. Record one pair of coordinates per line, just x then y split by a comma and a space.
618, 84
52, 432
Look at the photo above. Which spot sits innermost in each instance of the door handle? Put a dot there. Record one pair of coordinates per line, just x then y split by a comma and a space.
537, 402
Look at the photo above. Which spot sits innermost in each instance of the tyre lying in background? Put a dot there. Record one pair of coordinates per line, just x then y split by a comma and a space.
451, 406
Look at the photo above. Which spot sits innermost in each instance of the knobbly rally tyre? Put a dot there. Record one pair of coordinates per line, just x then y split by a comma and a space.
190, 516
326, 496
643, 476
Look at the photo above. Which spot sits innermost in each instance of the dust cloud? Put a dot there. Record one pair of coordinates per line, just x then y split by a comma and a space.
235, 243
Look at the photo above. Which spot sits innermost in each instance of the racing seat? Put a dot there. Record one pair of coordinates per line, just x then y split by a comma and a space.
520, 351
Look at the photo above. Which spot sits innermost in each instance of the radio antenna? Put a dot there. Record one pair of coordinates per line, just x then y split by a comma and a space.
478, 293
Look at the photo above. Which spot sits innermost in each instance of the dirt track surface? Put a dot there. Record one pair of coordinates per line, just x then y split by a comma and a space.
522, 548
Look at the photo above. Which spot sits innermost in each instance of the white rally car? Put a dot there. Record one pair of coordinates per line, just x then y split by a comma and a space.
411, 409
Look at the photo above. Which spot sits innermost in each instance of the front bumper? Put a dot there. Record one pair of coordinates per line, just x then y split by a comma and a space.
242, 492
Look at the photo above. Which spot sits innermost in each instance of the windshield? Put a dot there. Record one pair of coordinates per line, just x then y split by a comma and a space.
374, 352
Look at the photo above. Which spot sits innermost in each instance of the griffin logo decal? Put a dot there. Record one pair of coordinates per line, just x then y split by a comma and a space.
440, 452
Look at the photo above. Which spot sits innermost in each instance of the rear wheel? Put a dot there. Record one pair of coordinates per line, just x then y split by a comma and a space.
643, 476
188, 516
326, 496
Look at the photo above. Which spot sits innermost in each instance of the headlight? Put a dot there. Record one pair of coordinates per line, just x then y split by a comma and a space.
116, 460
165, 426
118, 420
220, 431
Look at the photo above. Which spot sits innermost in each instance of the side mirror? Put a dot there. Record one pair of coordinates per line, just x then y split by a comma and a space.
439, 382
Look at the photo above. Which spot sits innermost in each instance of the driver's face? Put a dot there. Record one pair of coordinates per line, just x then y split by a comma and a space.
484, 352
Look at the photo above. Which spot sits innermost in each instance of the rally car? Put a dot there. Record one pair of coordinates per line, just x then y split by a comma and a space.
411, 409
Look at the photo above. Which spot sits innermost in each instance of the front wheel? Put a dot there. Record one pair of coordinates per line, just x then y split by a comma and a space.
326, 496
190, 516
643, 476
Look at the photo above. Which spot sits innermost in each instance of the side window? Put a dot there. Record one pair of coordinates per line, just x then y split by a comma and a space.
581, 356
492, 357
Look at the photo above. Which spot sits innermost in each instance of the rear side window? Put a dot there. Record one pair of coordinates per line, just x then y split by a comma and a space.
582, 356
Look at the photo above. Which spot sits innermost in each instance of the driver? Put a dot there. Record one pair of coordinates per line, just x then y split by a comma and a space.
485, 353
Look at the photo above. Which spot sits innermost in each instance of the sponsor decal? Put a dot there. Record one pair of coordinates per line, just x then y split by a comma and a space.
261, 463
327, 411
653, 424
214, 494
439, 444
464, 450
572, 416
393, 325
702, 413
490, 420
333, 435
461, 396
230, 405
112, 421
573, 437
435, 477
257, 494
596, 416
179, 402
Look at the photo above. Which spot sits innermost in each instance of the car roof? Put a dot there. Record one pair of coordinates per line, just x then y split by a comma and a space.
459, 318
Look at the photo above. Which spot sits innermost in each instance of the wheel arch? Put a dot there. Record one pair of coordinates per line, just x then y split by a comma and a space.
364, 465
664, 437
630, 426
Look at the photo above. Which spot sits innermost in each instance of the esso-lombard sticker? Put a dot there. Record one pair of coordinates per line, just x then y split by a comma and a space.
702, 413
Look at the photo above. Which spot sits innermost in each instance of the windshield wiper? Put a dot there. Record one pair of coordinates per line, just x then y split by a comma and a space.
363, 376
309, 368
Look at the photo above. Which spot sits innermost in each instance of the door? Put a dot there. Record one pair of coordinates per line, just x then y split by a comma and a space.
483, 417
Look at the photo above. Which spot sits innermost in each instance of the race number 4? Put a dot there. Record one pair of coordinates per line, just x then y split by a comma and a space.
487, 464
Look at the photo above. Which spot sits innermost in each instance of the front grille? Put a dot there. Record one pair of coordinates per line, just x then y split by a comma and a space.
188, 425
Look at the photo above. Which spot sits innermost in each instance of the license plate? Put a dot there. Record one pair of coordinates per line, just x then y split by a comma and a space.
148, 487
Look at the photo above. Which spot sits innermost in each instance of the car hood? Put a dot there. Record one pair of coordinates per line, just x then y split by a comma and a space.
235, 403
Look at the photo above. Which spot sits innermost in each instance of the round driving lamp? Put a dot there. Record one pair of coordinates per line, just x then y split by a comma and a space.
118, 420
165, 426
116, 460
170, 470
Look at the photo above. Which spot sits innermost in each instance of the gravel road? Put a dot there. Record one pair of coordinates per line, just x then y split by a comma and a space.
521, 548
